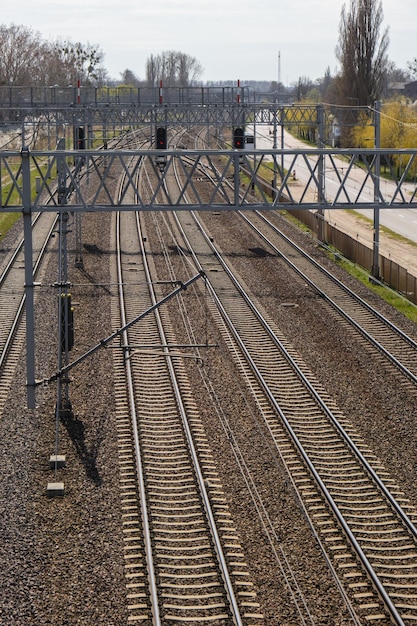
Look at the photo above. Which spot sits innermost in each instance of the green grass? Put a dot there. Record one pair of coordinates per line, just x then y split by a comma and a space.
395, 299
8, 219
382, 228
6, 222
399, 302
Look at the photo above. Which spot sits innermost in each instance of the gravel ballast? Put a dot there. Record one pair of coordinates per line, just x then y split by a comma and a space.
62, 558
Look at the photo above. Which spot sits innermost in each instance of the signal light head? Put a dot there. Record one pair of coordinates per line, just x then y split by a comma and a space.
161, 138
238, 138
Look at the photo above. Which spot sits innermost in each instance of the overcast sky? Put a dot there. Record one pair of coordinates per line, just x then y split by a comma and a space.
231, 38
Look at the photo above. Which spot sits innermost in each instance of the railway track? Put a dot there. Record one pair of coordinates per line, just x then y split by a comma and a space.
12, 302
390, 341
377, 330
344, 488
184, 562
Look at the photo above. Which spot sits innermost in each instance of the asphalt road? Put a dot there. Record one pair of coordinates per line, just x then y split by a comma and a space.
401, 221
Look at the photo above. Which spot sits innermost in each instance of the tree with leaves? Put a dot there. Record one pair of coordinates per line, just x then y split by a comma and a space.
362, 52
398, 130
129, 78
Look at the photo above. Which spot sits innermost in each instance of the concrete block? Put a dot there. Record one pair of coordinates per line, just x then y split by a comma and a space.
55, 490
57, 461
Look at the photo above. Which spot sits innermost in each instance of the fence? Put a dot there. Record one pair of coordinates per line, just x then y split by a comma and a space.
392, 274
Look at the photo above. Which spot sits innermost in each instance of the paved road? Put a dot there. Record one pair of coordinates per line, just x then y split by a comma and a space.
401, 221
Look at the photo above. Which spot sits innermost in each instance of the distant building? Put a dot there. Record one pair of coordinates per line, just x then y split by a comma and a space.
408, 90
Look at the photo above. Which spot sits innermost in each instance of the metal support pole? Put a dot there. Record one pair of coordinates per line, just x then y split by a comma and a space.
274, 147
254, 144
236, 159
321, 172
79, 262
282, 124
63, 401
377, 173
29, 284
208, 128
78, 223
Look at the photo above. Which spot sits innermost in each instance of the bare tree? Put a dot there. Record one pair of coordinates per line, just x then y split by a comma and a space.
188, 69
302, 87
412, 68
22, 55
26, 59
77, 61
175, 69
152, 70
362, 52
169, 68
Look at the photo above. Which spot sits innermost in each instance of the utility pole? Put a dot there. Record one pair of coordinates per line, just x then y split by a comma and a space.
377, 195
321, 173
64, 345
279, 74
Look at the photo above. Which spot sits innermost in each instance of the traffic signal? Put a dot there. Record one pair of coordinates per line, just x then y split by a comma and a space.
67, 323
80, 138
161, 138
238, 139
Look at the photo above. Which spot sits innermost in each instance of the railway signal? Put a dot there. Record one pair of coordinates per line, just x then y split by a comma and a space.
80, 138
67, 323
161, 138
238, 139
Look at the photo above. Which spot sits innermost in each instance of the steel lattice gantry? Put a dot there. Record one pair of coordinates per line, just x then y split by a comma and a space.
241, 179
175, 115
104, 117
103, 122
83, 180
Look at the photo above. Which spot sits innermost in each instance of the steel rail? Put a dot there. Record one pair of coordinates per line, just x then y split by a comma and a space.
372, 574
206, 501
348, 440
396, 362
15, 253
343, 524
331, 276
123, 334
21, 305
265, 524
403, 368
194, 456
252, 488
197, 469
346, 437
153, 586
403, 336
